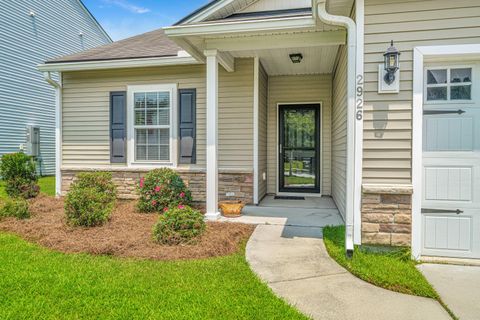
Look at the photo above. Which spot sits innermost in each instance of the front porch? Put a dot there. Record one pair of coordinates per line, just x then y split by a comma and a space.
296, 128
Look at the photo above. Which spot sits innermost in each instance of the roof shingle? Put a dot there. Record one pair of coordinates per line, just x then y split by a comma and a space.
148, 45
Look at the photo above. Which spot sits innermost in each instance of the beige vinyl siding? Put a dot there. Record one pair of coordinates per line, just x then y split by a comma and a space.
85, 114
262, 132
388, 117
266, 5
339, 130
295, 89
235, 131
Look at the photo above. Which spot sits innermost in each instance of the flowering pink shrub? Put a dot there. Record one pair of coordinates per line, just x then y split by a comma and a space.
162, 189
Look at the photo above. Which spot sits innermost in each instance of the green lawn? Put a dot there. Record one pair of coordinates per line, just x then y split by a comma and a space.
36, 283
293, 180
47, 186
393, 270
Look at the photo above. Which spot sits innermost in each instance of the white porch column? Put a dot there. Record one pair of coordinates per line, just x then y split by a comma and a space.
212, 135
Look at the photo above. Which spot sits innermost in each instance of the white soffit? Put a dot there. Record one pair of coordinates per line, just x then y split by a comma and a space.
316, 60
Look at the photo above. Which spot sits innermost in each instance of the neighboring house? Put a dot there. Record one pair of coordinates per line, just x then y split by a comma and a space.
253, 97
30, 32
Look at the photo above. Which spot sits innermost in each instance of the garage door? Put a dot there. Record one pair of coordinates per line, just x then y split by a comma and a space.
451, 162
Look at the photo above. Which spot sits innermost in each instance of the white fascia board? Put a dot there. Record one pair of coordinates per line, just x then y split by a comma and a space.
116, 64
204, 14
219, 28
293, 40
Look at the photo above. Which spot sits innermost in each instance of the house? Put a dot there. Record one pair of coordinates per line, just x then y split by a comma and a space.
253, 97
31, 32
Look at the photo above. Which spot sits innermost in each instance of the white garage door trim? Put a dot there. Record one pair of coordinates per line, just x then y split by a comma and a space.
422, 55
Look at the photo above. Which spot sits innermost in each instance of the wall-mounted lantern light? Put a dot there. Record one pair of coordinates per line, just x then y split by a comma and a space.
296, 57
392, 63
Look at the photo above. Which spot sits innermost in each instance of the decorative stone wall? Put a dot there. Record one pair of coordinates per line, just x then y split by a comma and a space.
387, 215
239, 183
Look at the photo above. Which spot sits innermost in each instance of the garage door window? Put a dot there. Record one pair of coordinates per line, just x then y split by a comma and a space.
448, 84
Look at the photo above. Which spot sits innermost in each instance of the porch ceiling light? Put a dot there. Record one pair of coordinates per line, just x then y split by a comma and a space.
392, 63
296, 57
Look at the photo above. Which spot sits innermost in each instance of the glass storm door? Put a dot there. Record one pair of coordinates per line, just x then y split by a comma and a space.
299, 148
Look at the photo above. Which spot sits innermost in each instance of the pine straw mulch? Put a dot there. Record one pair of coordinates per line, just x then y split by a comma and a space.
127, 234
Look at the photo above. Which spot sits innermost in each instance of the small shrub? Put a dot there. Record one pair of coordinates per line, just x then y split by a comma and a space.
17, 207
162, 189
19, 172
91, 199
179, 225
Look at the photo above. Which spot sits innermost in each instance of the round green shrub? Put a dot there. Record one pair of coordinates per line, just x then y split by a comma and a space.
16, 207
91, 199
162, 189
180, 225
19, 172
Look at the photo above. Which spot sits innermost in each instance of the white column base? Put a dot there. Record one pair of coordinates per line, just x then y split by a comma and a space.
212, 216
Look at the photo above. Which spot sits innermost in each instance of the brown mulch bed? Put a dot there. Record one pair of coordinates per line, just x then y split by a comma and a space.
127, 234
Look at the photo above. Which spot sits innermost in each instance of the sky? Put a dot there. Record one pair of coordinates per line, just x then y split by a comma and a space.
125, 18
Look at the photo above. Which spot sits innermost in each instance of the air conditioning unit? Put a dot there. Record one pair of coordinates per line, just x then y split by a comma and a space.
33, 141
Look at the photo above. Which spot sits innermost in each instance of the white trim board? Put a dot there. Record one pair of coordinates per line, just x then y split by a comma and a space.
256, 120
358, 149
320, 170
58, 136
219, 28
116, 64
420, 56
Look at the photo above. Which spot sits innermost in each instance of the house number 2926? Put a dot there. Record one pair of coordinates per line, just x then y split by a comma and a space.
359, 98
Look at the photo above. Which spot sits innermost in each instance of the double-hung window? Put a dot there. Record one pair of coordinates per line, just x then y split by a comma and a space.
151, 130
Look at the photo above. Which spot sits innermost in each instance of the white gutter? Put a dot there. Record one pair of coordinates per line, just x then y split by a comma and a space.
58, 129
349, 24
116, 64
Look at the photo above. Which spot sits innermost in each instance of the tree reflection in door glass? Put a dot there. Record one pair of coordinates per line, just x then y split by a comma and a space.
299, 149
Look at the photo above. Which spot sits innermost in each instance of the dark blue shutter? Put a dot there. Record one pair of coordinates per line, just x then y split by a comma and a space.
187, 125
118, 127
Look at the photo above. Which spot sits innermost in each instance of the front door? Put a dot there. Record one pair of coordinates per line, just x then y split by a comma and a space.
451, 162
299, 148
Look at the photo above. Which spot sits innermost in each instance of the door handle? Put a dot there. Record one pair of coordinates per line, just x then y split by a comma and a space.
458, 211
432, 112
281, 149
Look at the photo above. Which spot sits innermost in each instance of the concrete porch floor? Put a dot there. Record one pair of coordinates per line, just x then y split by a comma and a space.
313, 212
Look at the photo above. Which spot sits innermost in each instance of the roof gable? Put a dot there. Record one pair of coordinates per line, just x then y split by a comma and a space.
215, 9
220, 9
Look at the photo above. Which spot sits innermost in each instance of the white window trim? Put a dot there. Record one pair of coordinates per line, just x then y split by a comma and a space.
448, 85
172, 89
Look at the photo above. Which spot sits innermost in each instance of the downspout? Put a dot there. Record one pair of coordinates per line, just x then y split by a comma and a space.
58, 133
351, 27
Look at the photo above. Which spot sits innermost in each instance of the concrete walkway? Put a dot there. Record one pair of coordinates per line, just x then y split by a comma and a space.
459, 287
293, 261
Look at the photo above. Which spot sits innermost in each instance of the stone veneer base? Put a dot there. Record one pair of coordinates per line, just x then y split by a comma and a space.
239, 183
387, 215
